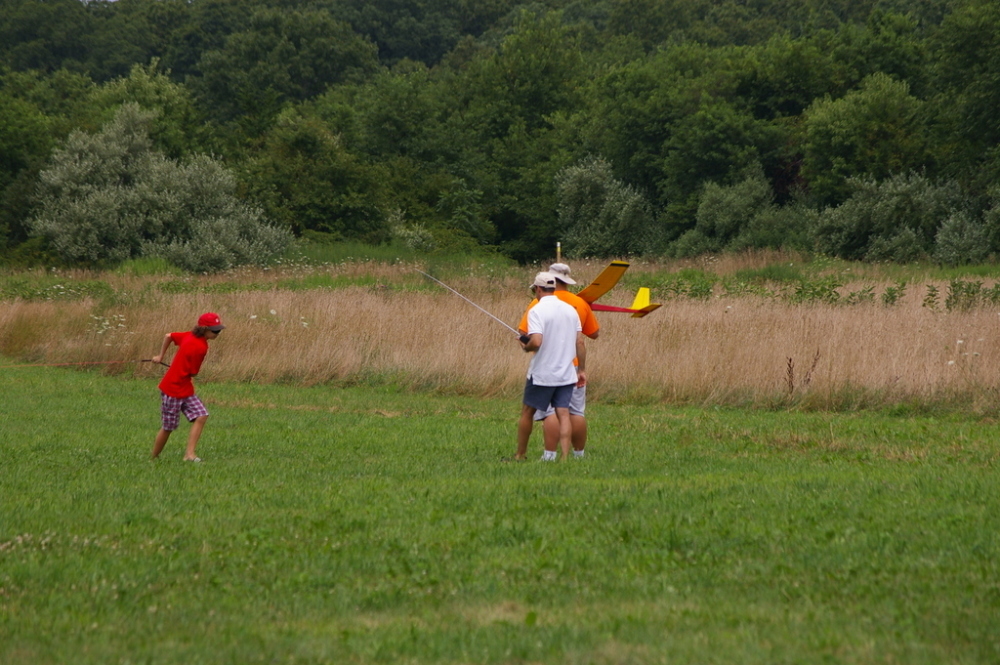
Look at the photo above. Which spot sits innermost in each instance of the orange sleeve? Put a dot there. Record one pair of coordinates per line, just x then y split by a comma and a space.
523, 325
588, 320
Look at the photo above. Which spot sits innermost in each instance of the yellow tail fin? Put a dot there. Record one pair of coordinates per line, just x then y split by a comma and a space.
641, 298
641, 303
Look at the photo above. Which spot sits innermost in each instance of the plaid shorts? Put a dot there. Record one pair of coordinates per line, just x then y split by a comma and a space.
171, 408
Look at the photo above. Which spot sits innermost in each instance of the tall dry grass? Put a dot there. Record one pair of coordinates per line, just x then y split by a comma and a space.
728, 351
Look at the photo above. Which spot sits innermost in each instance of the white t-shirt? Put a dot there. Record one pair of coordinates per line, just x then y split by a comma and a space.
558, 323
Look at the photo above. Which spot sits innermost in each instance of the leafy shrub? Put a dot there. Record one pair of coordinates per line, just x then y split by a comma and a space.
866, 294
892, 294
777, 227
693, 243
109, 197
602, 215
724, 211
931, 298
219, 243
415, 236
895, 219
904, 247
744, 216
991, 221
963, 295
821, 290
961, 240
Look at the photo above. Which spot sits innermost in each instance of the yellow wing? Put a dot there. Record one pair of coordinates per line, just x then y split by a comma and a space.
604, 282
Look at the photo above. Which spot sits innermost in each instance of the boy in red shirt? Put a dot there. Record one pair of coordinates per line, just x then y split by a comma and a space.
176, 388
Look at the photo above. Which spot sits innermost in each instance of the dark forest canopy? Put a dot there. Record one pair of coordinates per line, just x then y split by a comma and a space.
859, 128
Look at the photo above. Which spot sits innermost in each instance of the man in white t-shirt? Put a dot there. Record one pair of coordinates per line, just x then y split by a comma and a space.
591, 329
555, 335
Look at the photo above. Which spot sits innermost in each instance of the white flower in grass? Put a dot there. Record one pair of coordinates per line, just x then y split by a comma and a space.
273, 312
951, 362
253, 316
961, 341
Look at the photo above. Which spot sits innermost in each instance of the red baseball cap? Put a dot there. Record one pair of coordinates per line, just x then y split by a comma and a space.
211, 321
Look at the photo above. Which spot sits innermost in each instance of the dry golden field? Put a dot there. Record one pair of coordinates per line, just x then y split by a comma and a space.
400, 328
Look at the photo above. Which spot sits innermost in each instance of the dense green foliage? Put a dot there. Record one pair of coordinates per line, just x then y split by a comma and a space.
465, 125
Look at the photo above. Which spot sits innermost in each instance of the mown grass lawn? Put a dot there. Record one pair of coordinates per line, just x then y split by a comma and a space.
366, 525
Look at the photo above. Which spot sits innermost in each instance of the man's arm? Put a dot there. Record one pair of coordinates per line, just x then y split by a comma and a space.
589, 322
534, 342
581, 359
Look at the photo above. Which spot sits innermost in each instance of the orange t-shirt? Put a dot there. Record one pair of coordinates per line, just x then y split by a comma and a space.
587, 319
186, 364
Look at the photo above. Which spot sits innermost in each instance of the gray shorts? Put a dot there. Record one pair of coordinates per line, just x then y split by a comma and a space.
577, 405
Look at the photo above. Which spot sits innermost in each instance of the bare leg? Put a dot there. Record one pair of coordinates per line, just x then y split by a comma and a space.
550, 429
565, 431
196, 427
579, 428
579, 424
524, 425
161, 440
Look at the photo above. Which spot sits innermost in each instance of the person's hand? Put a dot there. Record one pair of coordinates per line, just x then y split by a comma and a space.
581, 379
156, 359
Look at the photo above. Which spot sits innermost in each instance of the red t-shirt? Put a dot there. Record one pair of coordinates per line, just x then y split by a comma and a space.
187, 363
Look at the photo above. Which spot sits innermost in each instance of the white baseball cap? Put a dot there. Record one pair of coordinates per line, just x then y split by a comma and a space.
561, 272
546, 280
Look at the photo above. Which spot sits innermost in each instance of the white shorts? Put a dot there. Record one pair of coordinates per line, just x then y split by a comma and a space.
577, 405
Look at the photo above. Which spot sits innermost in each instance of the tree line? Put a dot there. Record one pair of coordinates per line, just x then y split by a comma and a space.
212, 132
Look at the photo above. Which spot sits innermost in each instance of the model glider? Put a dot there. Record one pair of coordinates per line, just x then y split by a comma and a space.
605, 282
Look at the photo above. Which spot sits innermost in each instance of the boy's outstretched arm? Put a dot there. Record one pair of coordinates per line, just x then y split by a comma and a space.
167, 340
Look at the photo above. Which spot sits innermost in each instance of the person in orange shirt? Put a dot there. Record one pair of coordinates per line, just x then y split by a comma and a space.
591, 329
177, 390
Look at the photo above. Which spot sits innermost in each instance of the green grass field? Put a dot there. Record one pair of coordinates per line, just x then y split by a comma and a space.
372, 526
